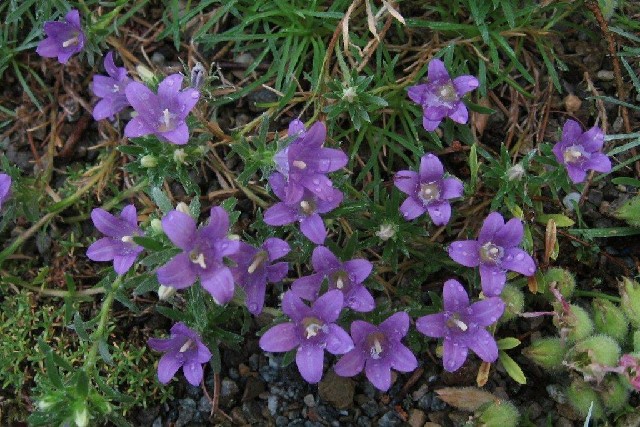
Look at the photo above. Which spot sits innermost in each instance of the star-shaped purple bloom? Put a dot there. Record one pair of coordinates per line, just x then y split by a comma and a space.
312, 330
64, 38
118, 245
305, 162
306, 211
495, 251
203, 254
111, 89
441, 97
256, 266
580, 151
164, 114
428, 190
5, 188
463, 326
378, 349
347, 277
184, 349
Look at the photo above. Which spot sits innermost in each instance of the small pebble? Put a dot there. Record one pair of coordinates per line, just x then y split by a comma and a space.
309, 400
605, 75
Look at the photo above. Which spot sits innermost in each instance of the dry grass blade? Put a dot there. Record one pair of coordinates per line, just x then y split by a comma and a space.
465, 398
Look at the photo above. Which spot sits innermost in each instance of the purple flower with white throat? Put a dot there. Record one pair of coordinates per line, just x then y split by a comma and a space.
306, 211
202, 256
377, 350
184, 349
64, 38
305, 162
428, 190
111, 89
347, 277
164, 114
580, 151
256, 266
312, 330
118, 245
441, 97
463, 326
495, 251
5, 188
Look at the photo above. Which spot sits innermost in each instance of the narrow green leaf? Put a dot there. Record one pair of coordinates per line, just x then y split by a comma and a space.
560, 220
508, 343
512, 368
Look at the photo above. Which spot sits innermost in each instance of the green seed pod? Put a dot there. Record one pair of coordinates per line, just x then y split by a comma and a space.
546, 352
514, 302
580, 395
615, 393
559, 278
576, 325
630, 293
599, 349
499, 414
609, 319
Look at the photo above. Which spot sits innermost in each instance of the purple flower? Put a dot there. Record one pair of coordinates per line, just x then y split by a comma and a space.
118, 245
111, 89
305, 163
428, 190
347, 277
313, 330
5, 188
184, 349
164, 114
306, 211
378, 349
495, 251
203, 254
255, 267
580, 151
63, 38
441, 97
631, 369
463, 326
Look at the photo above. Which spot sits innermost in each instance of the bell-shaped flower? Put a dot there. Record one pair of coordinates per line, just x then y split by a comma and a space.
202, 256
441, 97
463, 326
428, 190
306, 211
111, 89
378, 349
162, 114
117, 245
64, 38
347, 277
495, 251
184, 349
256, 266
312, 330
581, 151
5, 188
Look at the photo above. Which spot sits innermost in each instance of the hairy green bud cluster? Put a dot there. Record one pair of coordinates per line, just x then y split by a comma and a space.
581, 395
630, 293
560, 279
547, 352
609, 319
575, 325
499, 414
514, 302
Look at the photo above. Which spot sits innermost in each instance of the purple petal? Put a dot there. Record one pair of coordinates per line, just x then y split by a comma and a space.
164, 344
296, 128
219, 284
219, 221
180, 228
177, 136
319, 184
430, 125
454, 354
558, 150
279, 214
177, 273
324, 206
454, 296
598, 162
294, 192
432, 325
278, 184
483, 344
130, 215
203, 355
411, 209
136, 128
338, 340
102, 86
170, 86
307, 287
310, 361
361, 330
403, 359
140, 97
277, 272
5, 186
107, 224
435, 112
431, 168
360, 299
460, 114
592, 140
103, 109
515, 259
359, 269
451, 188
486, 312
396, 326
379, 373
464, 84
313, 227
316, 135
437, 71
255, 296
510, 234
491, 225
440, 213
492, 280
168, 366
193, 372
73, 17
323, 259
102, 249
122, 263
330, 160
48, 48
109, 66
293, 306
350, 364
276, 248
416, 93
282, 337
576, 174
571, 132
465, 252
328, 306
187, 99
406, 181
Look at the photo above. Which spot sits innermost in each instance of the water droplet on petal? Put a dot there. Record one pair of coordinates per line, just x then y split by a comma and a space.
465, 253
316, 181
195, 95
520, 257
532, 269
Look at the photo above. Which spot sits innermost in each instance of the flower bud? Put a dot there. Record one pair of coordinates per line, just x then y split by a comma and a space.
614, 394
515, 172
514, 302
609, 319
546, 352
149, 161
560, 279
156, 225
182, 207
179, 156
165, 293
574, 325
598, 349
145, 74
580, 395
349, 94
387, 231
630, 293
46, 402
81, 415
500, 414
198, 74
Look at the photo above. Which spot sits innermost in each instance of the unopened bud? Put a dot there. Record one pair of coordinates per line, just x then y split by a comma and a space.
500, 414
615, 393
156, 225
574, 325
46, 403
630, 293
198, 74
233, 237
182, 207
81, 416
514, 302
146, 75
515, 172
598, 349
165, 293
349, 94
609, 319
179, 156
546, 352
581, 396
560, 279
149, 161
387, 231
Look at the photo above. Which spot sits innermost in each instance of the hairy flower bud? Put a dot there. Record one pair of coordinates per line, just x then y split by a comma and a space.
387, 231
560, 279
599, 349
179, 156
574, 325
581, 395
165, 293
500, 414
546, 352
145, 74
198, 75
156, 225
514, 302
183, 207
630, 293
349, 94
614, 394
149, 161
515, 172
609, 319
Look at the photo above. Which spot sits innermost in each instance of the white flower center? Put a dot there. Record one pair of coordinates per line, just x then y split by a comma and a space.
307, 207
312, 330
490, 252
166, 121
187, 345
126, 239
448, 93
376, 342
460, 324
115, 88
573, 155
299, 164
197, 258
72, 41
429, 192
